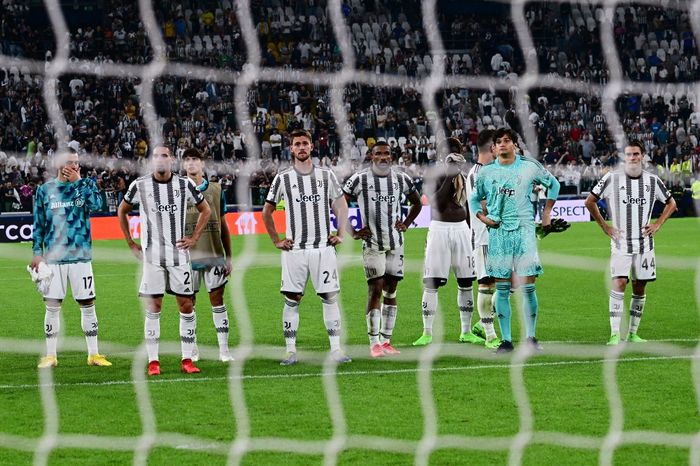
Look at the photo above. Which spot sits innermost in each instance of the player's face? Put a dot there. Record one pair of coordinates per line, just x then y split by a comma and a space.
633, 160
70, 161
504, 146
301, 148
193, 166
381, 158
161, 160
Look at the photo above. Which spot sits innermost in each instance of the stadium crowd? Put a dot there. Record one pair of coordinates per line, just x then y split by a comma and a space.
104, 119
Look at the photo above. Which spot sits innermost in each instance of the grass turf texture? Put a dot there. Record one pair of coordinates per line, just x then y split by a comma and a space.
472, 390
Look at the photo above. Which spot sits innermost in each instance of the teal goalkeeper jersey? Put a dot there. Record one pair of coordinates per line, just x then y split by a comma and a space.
62, 220
507, 188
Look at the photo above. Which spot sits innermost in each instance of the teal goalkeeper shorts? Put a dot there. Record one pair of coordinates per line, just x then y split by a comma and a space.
513, 251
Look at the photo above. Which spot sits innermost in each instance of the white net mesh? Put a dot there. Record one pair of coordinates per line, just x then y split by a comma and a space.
431, 440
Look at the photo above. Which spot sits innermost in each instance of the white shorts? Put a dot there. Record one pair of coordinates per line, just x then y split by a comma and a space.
633, 266
156, 280
480, 255
380, 263
319, 264
214, 277
448, 247
80, 277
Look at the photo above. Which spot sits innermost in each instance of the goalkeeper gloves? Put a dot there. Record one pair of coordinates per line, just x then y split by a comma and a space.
558, 225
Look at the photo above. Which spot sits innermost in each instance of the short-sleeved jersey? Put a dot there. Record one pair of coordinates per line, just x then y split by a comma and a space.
379, 199
163, 207
308, 198
631, 202
480, 234
62, 220
209, 250
507, 188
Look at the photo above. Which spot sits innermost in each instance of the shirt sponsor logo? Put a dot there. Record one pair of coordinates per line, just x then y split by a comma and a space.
634, 200
60, 205
169, 208
313, 198
383, 198
506, 191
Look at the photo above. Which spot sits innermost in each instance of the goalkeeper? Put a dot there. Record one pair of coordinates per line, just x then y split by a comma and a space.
505, 185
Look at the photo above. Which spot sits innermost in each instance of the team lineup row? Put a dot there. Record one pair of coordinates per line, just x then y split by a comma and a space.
482, 229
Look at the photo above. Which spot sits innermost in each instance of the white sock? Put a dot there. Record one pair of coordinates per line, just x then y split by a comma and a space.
615, 307
388, 322
636, 310
52, 327
484, 306
88, 321
152, 334
430, 301
290, 324
373, 318
188, 332
331, 317
221, 324
465, 302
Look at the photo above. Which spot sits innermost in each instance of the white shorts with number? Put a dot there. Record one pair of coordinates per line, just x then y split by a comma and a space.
156, 280
481, 252
448, 247
633, 266
380, 263
319, 264
80, 277
214, 277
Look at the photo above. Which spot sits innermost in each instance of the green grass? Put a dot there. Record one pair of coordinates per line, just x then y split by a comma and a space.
472, 393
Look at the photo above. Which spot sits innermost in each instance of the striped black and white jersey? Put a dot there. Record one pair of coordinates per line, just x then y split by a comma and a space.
163, 208
379, 199
308, 199
630, 203
480, 234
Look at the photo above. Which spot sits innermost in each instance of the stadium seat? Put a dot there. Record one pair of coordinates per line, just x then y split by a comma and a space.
402, 142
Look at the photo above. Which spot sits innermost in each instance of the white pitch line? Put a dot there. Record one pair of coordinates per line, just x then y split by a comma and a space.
351, 373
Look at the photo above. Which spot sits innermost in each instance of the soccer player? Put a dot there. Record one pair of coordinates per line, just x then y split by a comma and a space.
378, 190
211, 256
308, 248
512, 259
480, 244
448, 246
630, 194
62, 240
164, 249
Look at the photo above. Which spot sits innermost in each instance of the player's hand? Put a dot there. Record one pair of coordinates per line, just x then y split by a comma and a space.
335, 240
285, 244
36, 260
70, 174
228, 267
488, 221
650, 229
363, 233
136, 250
612, 232
185, 243
400, 226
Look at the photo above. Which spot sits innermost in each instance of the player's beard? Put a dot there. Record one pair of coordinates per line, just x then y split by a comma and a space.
382, 168
633, 169
302, 157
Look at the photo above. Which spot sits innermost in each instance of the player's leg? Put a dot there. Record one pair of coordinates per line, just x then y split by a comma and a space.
179, 281
620, 266
463, 266
197, 277
484, 296
52, 313
643, 271
215, 280
499, 264
438, 259
324, 276
295, 273
151, 291
375, 267
82, 283
389, 312
528, 267
504, 312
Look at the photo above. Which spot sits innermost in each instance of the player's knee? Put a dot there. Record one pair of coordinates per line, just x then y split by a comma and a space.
389, 294
434, 283
291, 303
329, 298
296, 297
53, 302
486, 282
85, 302
464, 282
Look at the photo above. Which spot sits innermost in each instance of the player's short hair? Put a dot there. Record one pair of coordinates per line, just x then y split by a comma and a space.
503, 131
380, 143
300, 133
484, 140
635, 143
162, 144
192, 152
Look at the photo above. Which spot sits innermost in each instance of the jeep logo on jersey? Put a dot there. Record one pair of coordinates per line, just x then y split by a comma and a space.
170, 208
634, 200
314, 198
384, 198
506, 191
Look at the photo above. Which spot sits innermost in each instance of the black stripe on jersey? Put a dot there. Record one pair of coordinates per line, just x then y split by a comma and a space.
302, 207
289, 206
378, 212
144, 209
365, 199
129, 197
198, 197
628, 216
390, 210
317, 225
652, 197
605, 185
170, 192
400, 178
326, 203
275, 187
615, 207
184, 184
663, 189
640, 211
159, 223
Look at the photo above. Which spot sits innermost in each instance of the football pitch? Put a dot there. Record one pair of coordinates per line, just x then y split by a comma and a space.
461, 405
